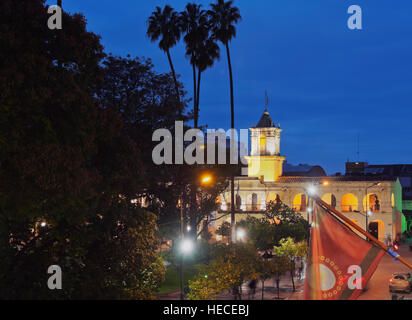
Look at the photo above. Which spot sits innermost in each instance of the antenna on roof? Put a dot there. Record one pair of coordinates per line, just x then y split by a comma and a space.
266, 99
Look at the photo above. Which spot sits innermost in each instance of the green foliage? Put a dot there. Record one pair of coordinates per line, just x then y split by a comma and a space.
69, 162
279, 222
172, 280
232, 266
279, 213
224, 229
260, 232
291, 250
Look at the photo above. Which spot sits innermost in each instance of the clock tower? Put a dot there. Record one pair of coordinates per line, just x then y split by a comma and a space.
265, 160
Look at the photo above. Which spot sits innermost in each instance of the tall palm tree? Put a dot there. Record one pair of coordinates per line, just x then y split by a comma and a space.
208, 52
165, 25
201, 49
223, 17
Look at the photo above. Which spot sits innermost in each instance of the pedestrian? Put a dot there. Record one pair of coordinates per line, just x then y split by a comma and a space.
252, 289
301, 270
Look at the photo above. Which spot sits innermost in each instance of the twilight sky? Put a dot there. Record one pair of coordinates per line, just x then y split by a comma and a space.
326, 83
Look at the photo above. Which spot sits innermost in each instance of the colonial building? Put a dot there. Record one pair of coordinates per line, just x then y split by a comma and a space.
271, 177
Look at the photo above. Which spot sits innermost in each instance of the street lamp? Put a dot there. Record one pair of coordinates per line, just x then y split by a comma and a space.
206, 179
186, 247
240, 234
312, 190
368, 213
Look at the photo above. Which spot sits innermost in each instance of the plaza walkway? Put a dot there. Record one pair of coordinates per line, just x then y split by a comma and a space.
270, 291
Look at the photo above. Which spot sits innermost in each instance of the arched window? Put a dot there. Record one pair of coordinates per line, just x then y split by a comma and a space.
254, 201
238, 202
300, 202
371, 203
349, 203
273, 197
330, 199
262, 144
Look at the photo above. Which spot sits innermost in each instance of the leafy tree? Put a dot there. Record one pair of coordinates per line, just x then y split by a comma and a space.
287, 247
280, 264
203, 288
277, 212
166, 26
266, 270
260, 232
278, 222
232, 266
224, 229
68, 172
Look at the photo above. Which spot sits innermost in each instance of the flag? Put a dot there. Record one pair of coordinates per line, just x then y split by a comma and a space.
336, 254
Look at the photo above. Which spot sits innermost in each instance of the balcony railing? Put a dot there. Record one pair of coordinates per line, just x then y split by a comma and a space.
259, 207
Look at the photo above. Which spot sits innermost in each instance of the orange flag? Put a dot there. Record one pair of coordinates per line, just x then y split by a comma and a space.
340, 262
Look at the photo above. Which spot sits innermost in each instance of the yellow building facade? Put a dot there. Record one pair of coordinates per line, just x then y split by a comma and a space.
355, 196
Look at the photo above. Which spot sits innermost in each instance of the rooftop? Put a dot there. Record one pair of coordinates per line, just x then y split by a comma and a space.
265, 121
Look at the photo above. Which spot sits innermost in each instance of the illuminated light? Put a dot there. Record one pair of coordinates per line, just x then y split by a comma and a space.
206, 179
187, 246
325, 183
188, 228
43, 224
369, 213
312, 190
309, 209
241, 234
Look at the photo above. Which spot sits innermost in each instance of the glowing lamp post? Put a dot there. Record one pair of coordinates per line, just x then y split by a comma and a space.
206, 179
186, 247
241, 234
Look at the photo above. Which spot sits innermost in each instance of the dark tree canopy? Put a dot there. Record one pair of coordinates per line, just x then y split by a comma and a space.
67, 171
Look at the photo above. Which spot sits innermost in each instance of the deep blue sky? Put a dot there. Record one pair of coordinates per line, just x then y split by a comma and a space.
326, 83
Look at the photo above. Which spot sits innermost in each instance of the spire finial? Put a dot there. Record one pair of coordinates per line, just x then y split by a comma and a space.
266, 99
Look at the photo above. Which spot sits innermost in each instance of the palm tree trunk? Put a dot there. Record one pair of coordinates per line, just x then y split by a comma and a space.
174, 79
198, 91
232, 125
232, 104
195, 96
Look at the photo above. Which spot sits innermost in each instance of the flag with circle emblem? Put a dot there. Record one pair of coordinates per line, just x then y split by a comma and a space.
340, 262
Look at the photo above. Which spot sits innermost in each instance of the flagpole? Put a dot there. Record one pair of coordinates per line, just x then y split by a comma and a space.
366, 234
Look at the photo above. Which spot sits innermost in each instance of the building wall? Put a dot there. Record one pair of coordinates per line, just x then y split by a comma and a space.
389, 217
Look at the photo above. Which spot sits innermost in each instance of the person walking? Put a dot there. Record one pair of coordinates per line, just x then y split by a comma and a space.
300, 275
252, 289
